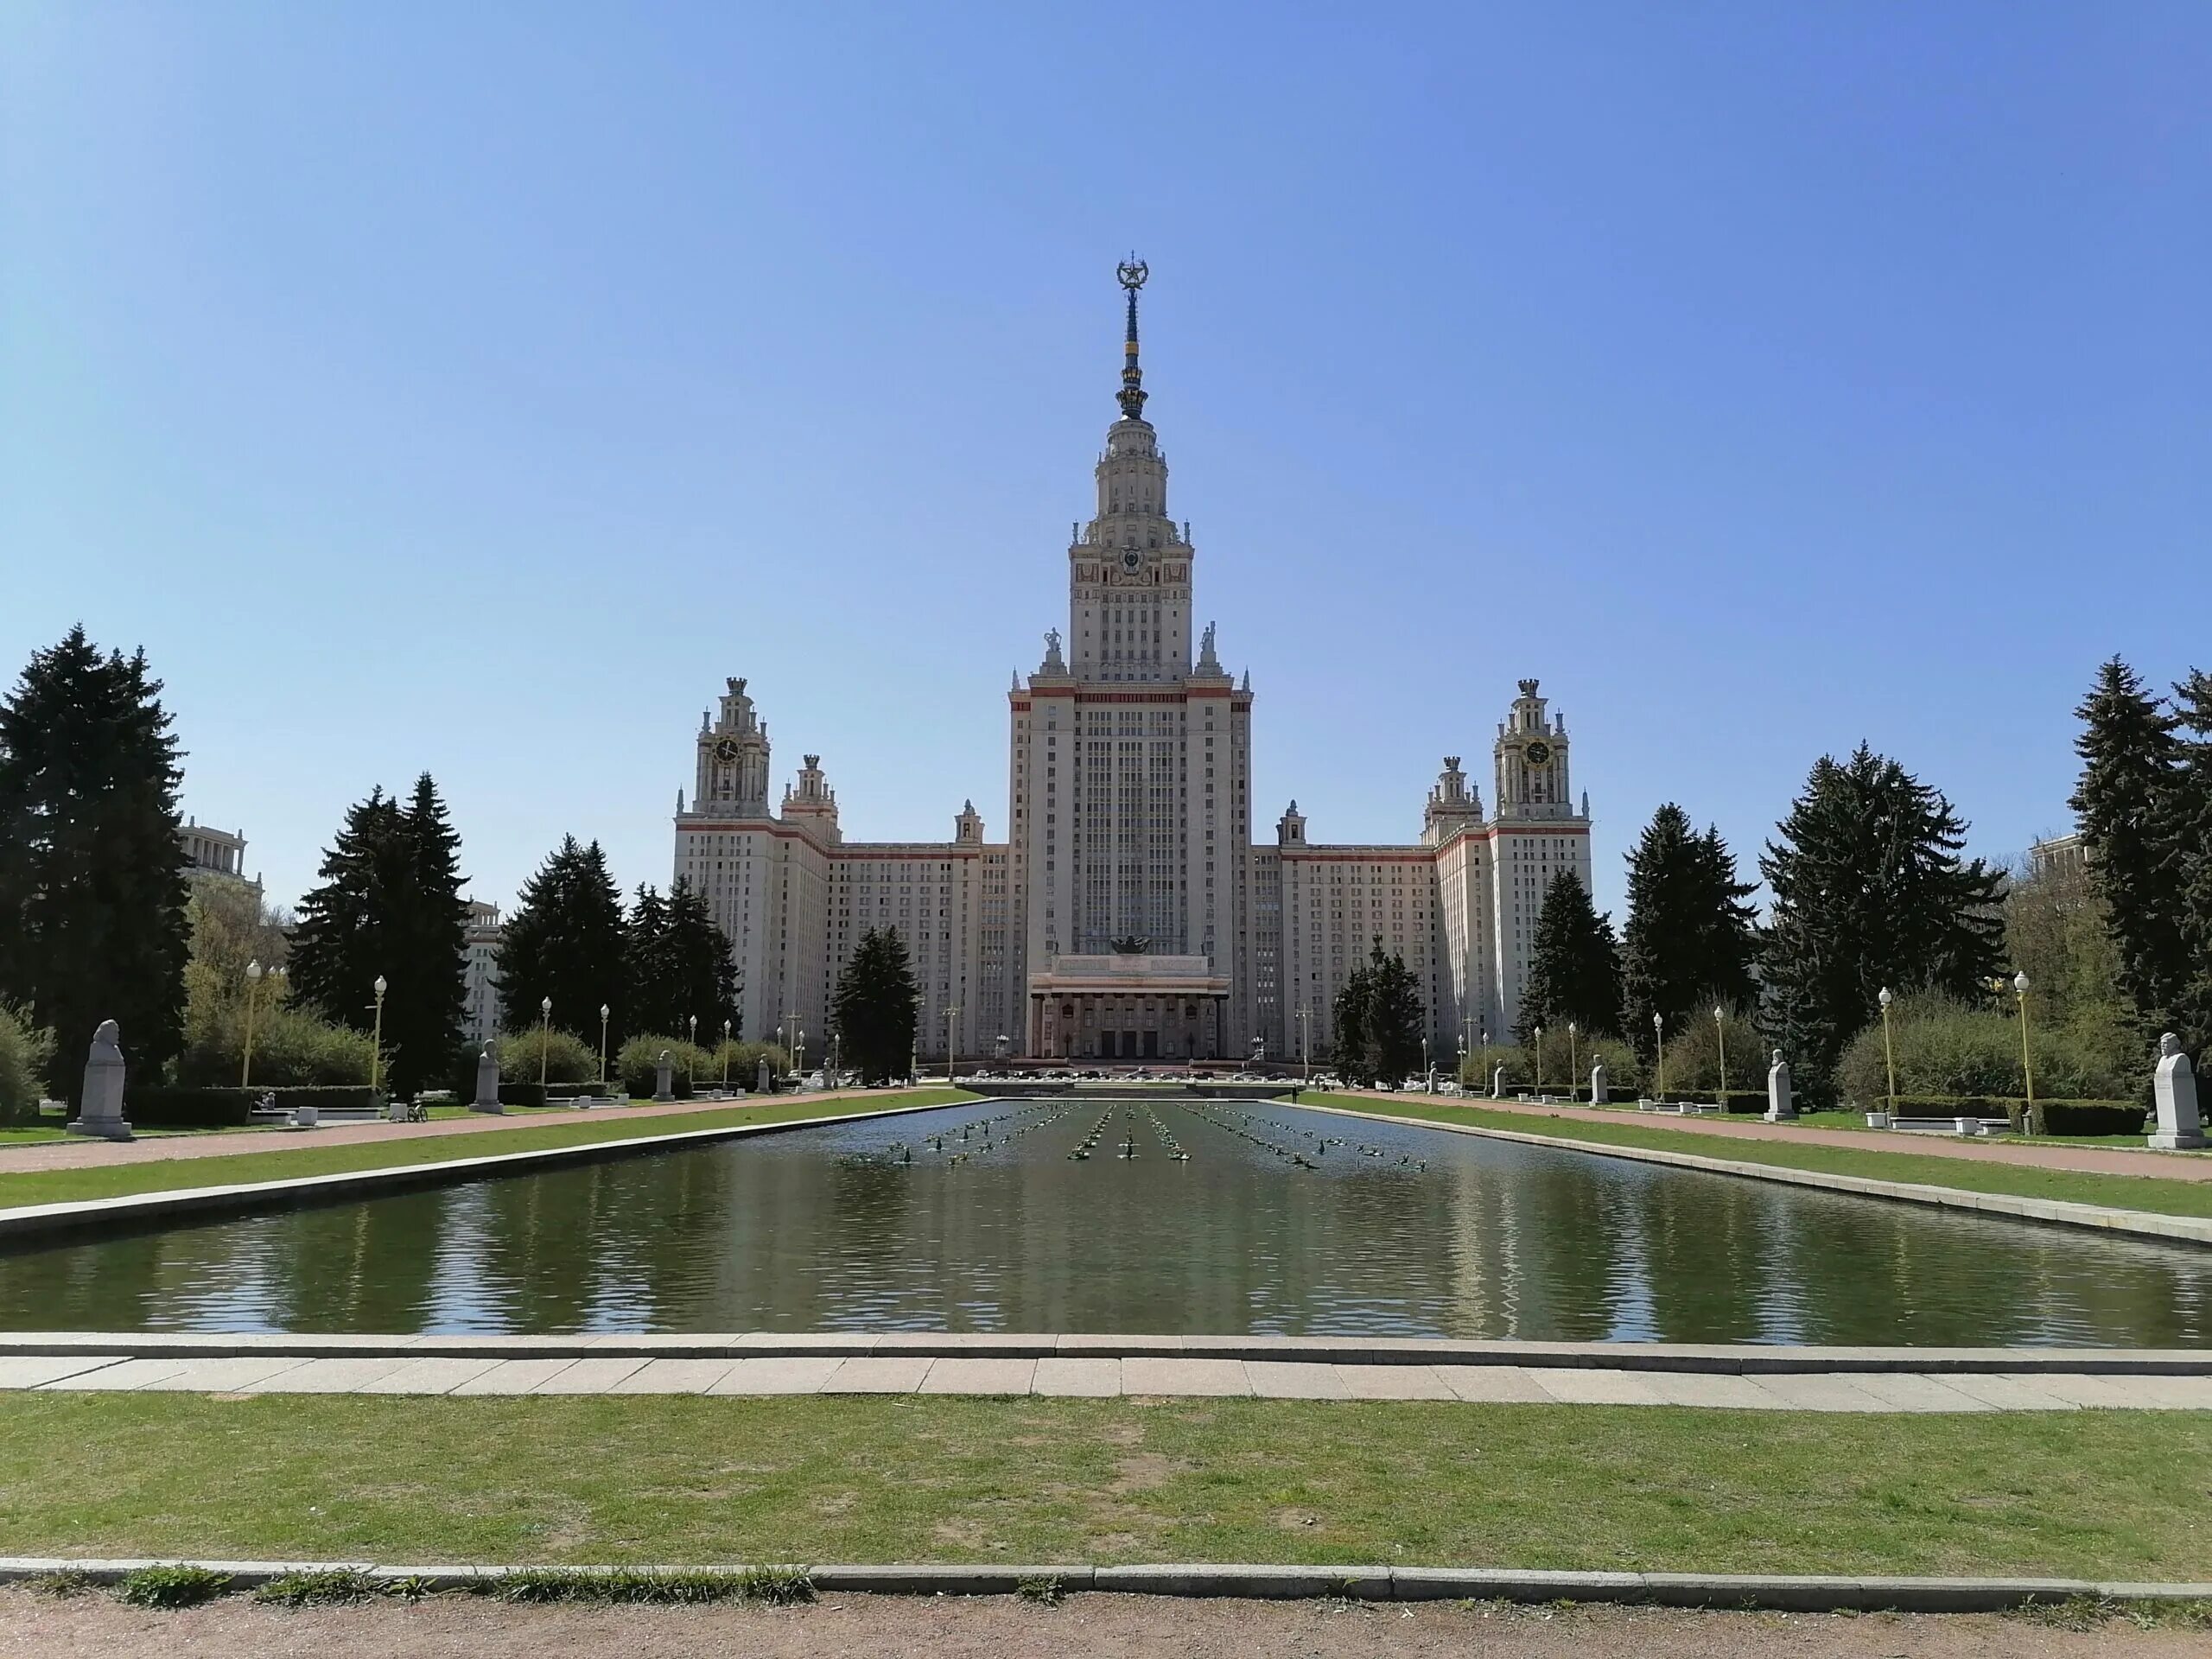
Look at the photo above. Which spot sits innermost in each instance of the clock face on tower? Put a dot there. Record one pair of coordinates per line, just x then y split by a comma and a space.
1538, 752
1131, 560
726, 750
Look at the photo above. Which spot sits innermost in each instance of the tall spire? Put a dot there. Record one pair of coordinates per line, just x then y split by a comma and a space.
1131, 273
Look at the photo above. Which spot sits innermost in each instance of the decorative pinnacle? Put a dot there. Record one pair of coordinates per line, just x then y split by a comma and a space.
1131, 273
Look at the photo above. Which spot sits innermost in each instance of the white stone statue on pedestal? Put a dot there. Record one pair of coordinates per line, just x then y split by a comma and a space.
1781, 1105
487, 1083
760, 1083
2179, 1127
102, 1112
1598, 1094
1498, 1084
664, 1077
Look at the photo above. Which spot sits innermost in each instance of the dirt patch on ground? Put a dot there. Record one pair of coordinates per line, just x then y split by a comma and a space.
1143, 1472
1094, 1626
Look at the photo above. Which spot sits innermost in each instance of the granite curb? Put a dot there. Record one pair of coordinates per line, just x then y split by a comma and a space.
1776, 1592
2057, 1212
141, 1209
1747, 1360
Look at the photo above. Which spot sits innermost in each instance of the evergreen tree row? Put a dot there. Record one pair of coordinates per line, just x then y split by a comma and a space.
654, 970
92, 896
389, 905
1869, 893
2144, 804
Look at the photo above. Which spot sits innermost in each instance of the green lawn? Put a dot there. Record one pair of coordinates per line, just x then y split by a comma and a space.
296, 1158
647, 1478
2163, 1196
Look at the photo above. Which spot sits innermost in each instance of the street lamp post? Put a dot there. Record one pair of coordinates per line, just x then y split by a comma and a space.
1659, 1039
544, 1038
2027, 1066
1721, 1034
603, 1012
951, 1014
1889, 1051
694, 1039
798, 1060
726, 1025
1305, 1054
376, 1036
252, 986
1574, 1061
1540, 1059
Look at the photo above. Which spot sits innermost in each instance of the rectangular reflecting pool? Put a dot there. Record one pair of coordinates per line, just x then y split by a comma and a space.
1167, 1218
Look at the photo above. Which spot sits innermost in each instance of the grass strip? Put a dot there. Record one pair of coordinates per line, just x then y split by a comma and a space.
636, 1480
2146, 1192
119, 1180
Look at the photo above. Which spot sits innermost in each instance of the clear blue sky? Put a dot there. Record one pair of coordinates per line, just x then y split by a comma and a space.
472, 388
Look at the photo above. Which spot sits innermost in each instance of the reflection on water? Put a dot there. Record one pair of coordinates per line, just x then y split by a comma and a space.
983, 1218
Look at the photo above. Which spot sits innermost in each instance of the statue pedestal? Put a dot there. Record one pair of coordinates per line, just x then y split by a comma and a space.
101, 1113
2174, 1092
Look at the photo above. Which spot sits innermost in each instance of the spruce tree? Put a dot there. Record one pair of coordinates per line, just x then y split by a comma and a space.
427, 1004
1574, 971
349, 931
874, 1007
2189, 830
1378, 1019
1688, 941
2125, 806
701, 973
649, 998
1869, 892
91, 886
565, 941
1348, 1023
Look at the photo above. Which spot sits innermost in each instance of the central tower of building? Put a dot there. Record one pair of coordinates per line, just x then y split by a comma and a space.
1129, 794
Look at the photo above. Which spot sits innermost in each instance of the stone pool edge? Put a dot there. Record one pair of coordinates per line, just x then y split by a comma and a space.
1822, 1592
2058, 1212
1747, 1359
77, 1215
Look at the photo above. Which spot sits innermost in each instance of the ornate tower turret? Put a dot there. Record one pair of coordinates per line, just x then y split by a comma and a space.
812, 804
1452, 805
733, 767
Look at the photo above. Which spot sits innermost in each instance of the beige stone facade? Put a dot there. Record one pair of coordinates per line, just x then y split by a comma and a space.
1128, 916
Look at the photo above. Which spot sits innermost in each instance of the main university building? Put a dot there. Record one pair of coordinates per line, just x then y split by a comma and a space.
1129, 914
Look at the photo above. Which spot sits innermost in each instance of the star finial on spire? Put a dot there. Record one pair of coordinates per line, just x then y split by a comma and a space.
1131, 273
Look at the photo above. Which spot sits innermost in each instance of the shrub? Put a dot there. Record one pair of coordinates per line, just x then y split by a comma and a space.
1945, 1048
745, 1064
171, 1107
641, 1056
171, 1586
521, 1094
2088, 1117
26, 1058
292, 1045
568, 1057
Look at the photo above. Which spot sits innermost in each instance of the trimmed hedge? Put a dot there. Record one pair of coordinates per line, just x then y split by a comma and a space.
2056, 1117
2089, 1118
177, 1107
521, 1094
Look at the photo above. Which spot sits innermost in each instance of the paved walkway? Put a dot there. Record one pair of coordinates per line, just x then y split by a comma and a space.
76, 1153
1104, 1378
2095, 1161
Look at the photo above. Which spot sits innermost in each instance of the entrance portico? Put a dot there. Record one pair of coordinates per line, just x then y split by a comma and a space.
1129, 1008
